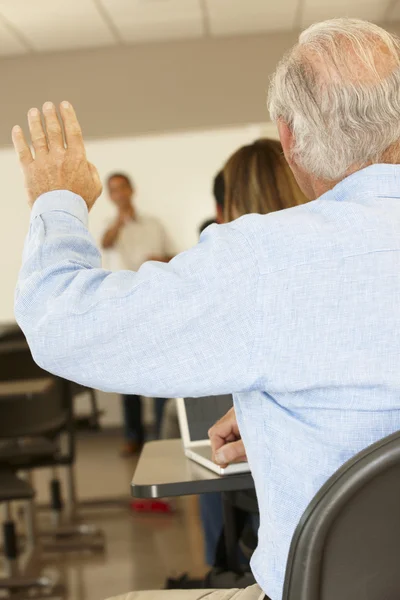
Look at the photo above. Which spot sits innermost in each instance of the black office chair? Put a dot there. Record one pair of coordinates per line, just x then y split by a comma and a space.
347, 544
23, 406
16, 363
43, 448
12, 488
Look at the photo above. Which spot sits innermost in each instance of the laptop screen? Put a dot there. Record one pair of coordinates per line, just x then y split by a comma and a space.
202, 413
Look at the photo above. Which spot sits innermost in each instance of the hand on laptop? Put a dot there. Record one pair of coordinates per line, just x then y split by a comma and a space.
226, 443
56, 166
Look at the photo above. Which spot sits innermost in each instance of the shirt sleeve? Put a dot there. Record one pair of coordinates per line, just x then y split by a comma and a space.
177, 329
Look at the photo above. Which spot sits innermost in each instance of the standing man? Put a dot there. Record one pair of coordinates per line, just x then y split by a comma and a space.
134, 239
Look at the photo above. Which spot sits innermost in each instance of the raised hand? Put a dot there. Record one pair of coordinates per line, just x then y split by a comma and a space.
55, 165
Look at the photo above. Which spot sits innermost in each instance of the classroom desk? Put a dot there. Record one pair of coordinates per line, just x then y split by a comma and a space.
163, 470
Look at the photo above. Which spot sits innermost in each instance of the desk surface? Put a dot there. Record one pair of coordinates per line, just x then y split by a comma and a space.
163, 470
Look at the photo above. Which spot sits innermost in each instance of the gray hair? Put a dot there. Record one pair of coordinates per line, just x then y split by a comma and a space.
338, 90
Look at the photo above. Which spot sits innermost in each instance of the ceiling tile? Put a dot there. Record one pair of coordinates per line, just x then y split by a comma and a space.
9, 43
229, 17
138, 20
370, 10
148, 10
58, 24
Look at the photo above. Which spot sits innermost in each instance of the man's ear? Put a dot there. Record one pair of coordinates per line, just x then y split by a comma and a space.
287, 141
308, 184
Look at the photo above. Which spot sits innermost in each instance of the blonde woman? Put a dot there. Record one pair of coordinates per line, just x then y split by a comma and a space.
257, 179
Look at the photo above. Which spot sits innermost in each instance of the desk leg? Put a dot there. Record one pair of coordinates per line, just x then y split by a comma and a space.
230, 533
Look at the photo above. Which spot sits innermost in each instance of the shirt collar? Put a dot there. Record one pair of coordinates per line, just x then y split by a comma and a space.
382, 180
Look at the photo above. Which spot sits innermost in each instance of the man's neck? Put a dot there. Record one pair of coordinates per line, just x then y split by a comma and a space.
390, 156
129, 213
320, 186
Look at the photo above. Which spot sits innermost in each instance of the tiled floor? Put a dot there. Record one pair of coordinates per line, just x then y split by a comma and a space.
100, 472
142, 550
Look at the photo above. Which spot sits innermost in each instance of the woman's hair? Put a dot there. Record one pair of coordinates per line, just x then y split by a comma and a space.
258, 179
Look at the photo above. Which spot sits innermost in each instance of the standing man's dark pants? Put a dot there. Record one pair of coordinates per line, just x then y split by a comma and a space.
133, 419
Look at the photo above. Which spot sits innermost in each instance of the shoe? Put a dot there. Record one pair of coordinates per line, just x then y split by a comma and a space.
131, 449
151, 506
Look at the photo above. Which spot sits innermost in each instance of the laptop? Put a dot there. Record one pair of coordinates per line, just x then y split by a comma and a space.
196, 416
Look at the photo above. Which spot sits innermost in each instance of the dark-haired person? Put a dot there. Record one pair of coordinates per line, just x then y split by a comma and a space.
219, 195
134, 239
211, 504
218, 192
255, 179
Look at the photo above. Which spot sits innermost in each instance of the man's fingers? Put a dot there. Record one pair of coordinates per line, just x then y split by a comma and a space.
225, 426
225, 431
230, 453
53, 127
21, 146
219, 439
73, 132
38, 136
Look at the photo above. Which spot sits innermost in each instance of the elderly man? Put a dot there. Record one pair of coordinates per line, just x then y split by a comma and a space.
297, 313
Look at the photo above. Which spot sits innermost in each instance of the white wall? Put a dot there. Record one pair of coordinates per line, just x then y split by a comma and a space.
153, 88
173, 175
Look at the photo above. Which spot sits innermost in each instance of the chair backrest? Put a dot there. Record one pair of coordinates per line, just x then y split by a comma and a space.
52, 410
16, 362
347, 544
10, 331
32, 407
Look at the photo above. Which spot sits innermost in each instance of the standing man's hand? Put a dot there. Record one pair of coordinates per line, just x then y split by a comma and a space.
56, 166
112, 233
226, 443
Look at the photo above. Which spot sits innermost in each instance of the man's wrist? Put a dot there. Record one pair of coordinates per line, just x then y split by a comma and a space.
61, 200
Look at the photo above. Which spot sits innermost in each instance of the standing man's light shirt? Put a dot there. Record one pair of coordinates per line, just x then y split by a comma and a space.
297, 313
139, 240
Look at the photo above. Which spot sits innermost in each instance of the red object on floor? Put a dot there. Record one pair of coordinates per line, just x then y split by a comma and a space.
151, 506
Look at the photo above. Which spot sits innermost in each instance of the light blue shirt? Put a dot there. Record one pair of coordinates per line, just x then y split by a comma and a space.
297, 313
